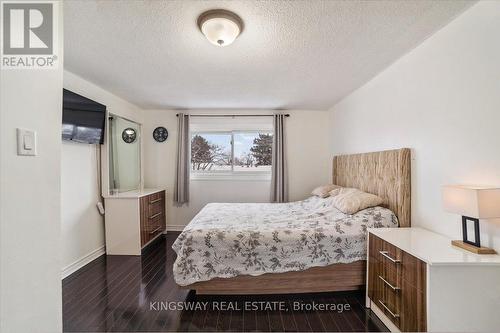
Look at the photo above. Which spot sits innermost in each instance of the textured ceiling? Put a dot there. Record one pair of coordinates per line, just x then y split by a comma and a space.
291, 54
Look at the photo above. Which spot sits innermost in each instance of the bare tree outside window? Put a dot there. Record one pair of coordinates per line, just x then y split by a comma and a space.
207, 156
231, 152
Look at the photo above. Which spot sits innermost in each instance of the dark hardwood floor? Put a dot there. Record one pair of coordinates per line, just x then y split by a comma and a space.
128, 293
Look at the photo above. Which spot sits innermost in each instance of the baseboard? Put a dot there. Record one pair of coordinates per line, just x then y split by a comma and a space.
175, 227
71, 268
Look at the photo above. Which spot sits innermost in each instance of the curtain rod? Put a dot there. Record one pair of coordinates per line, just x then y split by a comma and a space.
232, 115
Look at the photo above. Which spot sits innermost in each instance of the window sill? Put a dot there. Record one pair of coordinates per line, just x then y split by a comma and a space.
236, 176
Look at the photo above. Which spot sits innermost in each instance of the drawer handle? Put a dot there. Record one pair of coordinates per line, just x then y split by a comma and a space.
154, 201
154, 216
394, 315
157, 229
389, 284
386, 254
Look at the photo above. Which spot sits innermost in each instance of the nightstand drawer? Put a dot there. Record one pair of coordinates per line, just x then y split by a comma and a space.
390, 254
384, 251
396, 284
413, 309
414, 271
390, 277
389, 301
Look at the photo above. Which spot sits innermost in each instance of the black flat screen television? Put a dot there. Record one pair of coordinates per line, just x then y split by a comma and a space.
83, 120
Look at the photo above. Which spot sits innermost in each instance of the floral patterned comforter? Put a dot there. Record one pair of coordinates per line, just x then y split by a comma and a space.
229, 239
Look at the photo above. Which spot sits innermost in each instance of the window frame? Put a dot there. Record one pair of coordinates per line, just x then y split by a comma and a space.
232, 174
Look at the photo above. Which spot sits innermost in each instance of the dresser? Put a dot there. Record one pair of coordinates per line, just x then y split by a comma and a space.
417, 281
133, 220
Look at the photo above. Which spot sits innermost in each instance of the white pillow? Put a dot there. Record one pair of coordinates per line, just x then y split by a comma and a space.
351, 200
324, 190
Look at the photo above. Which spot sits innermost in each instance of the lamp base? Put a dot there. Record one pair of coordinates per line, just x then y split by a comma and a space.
472, 248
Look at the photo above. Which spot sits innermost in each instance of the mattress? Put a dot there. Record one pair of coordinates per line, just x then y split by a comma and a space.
225, 240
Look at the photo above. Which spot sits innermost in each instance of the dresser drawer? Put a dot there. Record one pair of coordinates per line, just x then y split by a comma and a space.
156, 207
152, 216
156, 203
155, 227
396, 284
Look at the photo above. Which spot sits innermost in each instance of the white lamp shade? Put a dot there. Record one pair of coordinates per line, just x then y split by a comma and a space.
472, 201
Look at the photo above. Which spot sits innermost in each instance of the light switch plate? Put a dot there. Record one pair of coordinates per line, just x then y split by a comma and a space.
26, 142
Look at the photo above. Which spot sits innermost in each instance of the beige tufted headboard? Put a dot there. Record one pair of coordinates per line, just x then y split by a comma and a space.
384, 173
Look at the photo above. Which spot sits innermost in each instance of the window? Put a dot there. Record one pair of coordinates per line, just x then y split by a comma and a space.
211, 152
235, 153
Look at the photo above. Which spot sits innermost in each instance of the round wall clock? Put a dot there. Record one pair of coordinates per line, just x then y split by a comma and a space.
129, 135
160, 134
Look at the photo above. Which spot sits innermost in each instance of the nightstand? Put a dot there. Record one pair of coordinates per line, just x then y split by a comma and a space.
417, 281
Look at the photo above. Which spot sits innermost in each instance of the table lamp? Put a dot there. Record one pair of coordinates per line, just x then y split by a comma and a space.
473, 203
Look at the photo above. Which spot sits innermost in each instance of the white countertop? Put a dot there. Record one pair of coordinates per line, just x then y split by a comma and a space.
134, 193
432, 248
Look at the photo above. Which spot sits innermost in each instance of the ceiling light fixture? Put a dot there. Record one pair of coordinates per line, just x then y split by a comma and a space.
220, 26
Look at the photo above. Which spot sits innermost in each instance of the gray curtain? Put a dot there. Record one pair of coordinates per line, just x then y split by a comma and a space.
279, 180
181, 189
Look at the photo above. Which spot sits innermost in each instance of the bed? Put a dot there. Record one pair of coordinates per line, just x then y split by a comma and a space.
305, 246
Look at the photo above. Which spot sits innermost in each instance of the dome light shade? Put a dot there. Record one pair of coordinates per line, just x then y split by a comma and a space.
221, 27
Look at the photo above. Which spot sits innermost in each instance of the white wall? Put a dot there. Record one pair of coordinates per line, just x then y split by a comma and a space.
442, 100
82, 227
30, 197
308, 157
